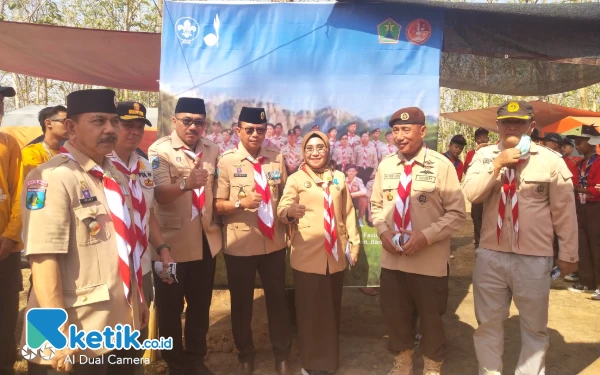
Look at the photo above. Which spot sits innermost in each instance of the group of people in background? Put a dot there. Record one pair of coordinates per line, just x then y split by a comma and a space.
106, 231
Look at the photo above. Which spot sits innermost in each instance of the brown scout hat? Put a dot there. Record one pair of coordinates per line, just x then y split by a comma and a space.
521, 110
407, 116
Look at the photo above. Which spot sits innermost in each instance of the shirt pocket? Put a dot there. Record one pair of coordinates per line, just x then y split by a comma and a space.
86, 295
86, 215
423, 194
535, 185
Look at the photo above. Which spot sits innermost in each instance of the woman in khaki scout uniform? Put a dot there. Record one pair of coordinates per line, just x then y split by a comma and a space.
416, 195
318, 255
71, 240
184, 170
250, 183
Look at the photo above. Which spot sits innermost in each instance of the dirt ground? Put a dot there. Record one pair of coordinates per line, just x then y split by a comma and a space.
574, 327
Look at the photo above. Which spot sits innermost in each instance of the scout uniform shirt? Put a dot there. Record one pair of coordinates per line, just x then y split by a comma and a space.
308, 234
545, 201
353, 140
146, 180
236, 178
437, 209
292, 156
170, 164
278, 141
226, 146
10, 189
356, 185
365, 156
215, 138
34, 155
59, 201
342, 156
385, 150
593, 177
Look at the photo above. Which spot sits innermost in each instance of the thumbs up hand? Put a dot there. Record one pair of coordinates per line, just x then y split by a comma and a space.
296, 210
252, 200
197, 178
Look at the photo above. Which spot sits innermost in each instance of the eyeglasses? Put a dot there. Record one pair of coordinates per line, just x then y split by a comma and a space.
250, 130
320, 149
188, 122
61, 120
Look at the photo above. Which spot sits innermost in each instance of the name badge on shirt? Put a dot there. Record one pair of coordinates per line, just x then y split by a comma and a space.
425, 178
391, 176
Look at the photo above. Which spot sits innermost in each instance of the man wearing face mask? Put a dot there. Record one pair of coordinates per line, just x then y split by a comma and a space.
527, 195
250, 183
184, 171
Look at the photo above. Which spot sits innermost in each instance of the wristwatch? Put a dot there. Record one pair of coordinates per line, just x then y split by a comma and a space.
163, 246
182, 183
238, 203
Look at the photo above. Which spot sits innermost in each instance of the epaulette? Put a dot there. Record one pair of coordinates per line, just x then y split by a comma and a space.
558, 154
390, 155
58, 161
161, 140
228, 152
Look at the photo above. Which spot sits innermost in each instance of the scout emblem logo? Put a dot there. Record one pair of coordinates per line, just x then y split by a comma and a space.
513, 107
540, 189
418, 31
307, 184
388, 32
94, 228
262, 115
148, 182
404, 116
426, 172
186, 29
422, 199
389, 196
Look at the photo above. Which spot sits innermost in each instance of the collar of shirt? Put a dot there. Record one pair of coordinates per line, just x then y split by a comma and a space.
84, 160
419, 158
243, 153
177, 143
133, 159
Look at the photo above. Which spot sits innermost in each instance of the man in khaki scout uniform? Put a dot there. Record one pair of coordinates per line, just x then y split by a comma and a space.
292, 153
365, 157
137, 171
527, 195
250, 183
481, 140
69, 207
11, 179
184, 171
417, 198
342, 154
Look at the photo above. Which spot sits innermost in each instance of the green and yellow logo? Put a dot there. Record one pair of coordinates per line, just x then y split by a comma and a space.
388, 32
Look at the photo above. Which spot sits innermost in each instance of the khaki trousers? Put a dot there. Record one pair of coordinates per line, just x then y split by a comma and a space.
498, 278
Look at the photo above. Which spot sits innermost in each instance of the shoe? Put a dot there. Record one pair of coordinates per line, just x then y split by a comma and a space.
572, 277
403, 363
431, 367
451, 256
370, 223
578, 288
360, 222
596, 295
283, 368
245, 368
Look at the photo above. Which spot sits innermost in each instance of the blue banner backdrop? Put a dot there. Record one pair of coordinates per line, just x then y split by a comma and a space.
307, 64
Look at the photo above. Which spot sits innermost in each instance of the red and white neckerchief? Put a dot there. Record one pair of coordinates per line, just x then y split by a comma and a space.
124, 228
402, 211
509, 188
266, 220
365, 157
292, 157
138, 201
198, 196
329, 217
215, 136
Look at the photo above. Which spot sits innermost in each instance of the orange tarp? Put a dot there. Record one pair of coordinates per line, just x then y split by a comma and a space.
545, 114
569, 123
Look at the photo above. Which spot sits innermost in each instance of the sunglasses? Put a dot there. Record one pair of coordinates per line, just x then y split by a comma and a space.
188, 122
250, 130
